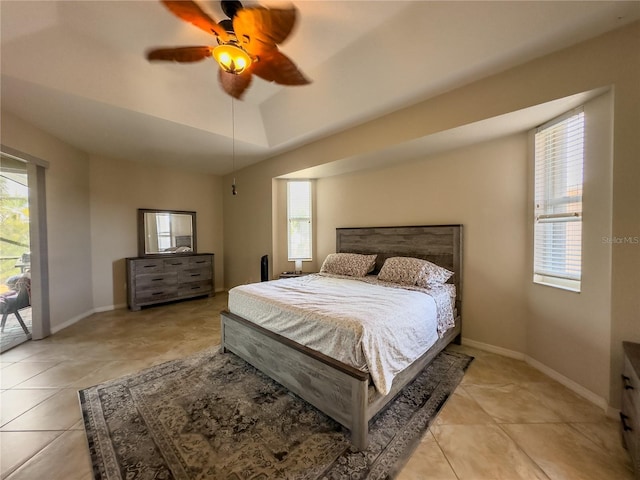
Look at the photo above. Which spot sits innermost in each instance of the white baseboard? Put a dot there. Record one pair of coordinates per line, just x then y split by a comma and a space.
570, 384
109, 308
71, 321
613, 413
567, 382
493, 349
84, 315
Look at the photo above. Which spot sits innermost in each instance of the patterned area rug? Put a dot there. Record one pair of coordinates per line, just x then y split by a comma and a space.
213, 416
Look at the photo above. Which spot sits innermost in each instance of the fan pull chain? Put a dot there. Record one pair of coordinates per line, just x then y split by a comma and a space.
234, 191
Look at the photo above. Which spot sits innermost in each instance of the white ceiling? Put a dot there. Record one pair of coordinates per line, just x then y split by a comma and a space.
77, 70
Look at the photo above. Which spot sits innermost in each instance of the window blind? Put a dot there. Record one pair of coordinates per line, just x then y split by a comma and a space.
559, 158
299, 220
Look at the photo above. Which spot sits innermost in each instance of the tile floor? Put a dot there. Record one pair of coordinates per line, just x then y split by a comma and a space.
505, 421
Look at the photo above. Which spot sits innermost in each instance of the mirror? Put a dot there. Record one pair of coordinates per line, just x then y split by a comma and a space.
166, 232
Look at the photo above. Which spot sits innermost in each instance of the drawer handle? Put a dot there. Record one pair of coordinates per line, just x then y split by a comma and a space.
196, 274
195, 288
623, 419
149, 266
200, 261
157, 279
158, 293
626, 381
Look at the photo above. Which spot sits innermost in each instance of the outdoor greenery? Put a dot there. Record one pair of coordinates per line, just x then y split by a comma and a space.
14, 227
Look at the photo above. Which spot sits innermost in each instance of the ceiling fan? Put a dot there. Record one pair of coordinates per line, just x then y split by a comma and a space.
247, 44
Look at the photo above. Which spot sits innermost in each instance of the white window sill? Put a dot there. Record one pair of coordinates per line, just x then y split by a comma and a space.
561, 283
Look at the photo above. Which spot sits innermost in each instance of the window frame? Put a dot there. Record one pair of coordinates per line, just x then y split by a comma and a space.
300, 219
558, 201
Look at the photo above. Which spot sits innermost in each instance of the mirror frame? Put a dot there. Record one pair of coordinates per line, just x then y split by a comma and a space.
142, 234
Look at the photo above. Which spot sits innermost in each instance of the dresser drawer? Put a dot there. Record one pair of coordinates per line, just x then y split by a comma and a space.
195, 288
629, 425
631, 384
146, 281
148, 266
157, 294
630, 411
194, 275
176, 263
201, 261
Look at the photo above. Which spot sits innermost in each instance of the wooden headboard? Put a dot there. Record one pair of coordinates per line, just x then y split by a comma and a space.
439, 244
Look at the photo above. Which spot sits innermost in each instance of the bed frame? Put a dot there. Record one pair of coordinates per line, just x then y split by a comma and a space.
341, 391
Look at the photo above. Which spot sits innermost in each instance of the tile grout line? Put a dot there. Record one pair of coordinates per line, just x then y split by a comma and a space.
28, 410
444, 454
6, 475
499, 425
544, 472
600, 447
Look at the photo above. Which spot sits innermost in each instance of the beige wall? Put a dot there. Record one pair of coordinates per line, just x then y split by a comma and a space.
91, 218
118, 189
612, 59
571, 332
280, 262
249, 216
483, 187
67, 197
487, 188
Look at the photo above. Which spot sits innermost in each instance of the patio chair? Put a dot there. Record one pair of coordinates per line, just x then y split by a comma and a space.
14, 301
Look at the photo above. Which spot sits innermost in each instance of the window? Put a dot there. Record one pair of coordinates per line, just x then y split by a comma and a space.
559, 155
299, 219
163, 225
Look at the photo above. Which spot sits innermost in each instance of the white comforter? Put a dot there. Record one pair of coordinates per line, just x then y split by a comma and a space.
375, 328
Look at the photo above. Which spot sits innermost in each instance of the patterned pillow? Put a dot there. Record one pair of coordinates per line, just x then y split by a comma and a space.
433, 274
352, 264
403, 270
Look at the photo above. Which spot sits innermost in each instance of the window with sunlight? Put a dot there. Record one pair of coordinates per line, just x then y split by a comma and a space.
299, 220
163, 225
559, 158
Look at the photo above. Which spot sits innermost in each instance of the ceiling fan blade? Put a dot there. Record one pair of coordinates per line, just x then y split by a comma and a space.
260, 29
234, 85
191, 12
275, 66
179, 54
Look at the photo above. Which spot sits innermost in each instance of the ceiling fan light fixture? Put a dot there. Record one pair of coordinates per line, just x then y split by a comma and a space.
231, 58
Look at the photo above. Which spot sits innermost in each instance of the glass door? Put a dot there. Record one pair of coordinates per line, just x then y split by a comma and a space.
15, 255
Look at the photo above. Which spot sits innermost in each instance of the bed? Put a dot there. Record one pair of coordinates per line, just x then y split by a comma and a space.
335, 386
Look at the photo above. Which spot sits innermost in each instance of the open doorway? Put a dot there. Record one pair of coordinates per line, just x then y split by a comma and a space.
15, 255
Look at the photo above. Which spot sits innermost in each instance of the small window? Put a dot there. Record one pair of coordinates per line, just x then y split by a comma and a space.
299, 220
163, 225
559, 158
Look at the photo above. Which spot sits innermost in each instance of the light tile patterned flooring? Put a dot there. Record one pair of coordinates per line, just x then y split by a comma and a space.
505, 421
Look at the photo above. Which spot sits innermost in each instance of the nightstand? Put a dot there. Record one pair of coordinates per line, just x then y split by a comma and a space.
630, 410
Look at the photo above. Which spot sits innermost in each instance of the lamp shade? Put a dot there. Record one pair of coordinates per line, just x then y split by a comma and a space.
231, 58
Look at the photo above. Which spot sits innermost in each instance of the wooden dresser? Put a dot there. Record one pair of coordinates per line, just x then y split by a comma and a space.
630, 412
163, 279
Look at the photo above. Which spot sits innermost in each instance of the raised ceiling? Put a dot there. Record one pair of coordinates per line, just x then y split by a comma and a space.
77, 70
